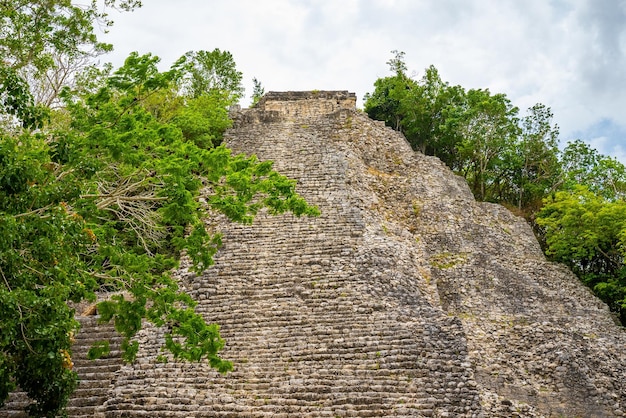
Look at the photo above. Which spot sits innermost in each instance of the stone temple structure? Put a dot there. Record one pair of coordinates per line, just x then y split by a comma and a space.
406, 297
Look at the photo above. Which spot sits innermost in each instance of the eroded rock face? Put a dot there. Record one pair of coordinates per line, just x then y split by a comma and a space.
406, 297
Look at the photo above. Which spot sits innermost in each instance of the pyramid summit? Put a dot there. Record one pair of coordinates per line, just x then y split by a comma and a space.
406, 297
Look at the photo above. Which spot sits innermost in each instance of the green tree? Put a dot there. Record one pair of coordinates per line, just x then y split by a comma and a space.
534, 169
17, 106
429, 107
203, 119
397, 64
588, 233
487, 125
257, 92
584, 165
38, 35
426, 111
386, 102
33, 31
208, 72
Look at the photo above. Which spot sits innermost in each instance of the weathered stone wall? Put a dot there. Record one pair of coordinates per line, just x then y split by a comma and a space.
301, 104
406, 297
539, 342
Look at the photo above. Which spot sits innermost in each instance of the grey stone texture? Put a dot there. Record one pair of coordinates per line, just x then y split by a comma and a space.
406, 297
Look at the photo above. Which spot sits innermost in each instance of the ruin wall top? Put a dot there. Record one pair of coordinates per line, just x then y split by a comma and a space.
307, 103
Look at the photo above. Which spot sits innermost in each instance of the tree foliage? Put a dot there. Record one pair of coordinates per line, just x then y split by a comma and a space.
603, 175
384, 103
588, 233
211, 72
536, 169
432, 108
42, 44
257, 92
486, 124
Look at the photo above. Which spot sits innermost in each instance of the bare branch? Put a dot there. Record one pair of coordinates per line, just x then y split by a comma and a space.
35, 212
134, 200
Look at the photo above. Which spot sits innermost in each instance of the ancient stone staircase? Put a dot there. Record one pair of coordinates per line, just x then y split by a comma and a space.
96, 376
406, 297
314, 319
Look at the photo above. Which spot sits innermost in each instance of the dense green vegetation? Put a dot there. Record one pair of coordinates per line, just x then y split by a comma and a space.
574, 198
100, 184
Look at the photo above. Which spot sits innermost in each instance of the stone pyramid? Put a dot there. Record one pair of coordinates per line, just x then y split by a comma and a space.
406, 297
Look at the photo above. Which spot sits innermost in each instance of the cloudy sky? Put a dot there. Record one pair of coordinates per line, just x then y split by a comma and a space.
567, 54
